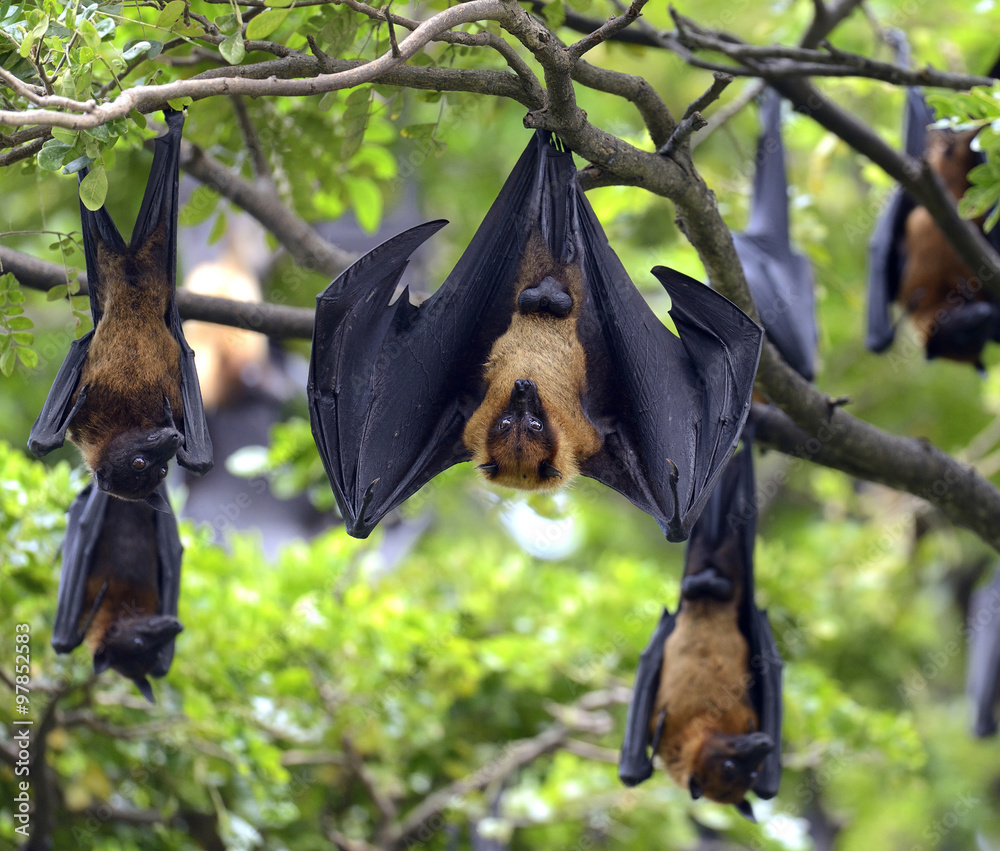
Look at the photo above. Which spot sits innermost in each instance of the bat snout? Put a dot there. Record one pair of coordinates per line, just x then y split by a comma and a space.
524, 398
752, 748
165, 440
549, 296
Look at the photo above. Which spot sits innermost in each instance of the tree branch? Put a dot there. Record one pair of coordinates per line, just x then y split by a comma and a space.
149, 98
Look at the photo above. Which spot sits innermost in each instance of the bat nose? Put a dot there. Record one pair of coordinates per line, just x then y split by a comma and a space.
524, 397
754, 746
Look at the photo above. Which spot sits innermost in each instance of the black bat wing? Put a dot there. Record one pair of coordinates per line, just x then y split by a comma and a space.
170, 552
392, 385
635, 762
983, 678
49, 429
736, 512
84, 522
886, 248
780, 279
670, 408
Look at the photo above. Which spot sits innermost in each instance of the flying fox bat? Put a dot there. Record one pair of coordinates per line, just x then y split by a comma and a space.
119, 585
127, 394
707, 694
910, 261
780, 279
537, 358
983, 680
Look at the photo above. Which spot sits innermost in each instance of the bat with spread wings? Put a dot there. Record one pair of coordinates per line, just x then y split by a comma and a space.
537, 359
127, 394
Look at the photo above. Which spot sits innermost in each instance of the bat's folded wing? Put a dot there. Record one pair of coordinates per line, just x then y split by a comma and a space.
635, 762
84, 522
765, 668
983, 680
670, 408
195, 453
49, 429
170, 552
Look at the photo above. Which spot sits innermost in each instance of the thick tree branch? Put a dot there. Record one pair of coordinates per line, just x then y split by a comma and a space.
148, 98
274, 320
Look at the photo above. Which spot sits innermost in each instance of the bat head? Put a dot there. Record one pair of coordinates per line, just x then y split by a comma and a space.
132, 645
135, 462
522, 443
727, 765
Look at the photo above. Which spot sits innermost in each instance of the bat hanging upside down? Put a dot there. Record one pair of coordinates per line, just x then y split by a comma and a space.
127, 394
119, 585
707, 695
912, 262
537, 359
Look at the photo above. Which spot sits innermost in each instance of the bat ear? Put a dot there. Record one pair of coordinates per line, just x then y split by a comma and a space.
490, 469
101, 662
157, 501
695, 788
146, 690
103, 479
745, 810
549, 472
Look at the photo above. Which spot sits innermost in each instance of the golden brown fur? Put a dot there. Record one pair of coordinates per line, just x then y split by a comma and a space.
935, 279
134, 361
544, 349
705, 694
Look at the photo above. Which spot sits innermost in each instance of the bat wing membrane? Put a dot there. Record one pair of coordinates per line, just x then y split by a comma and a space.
635, 762
983, 681
84, 522
170, 553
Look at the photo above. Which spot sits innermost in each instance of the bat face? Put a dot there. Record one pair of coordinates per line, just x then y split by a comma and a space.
522, 443
135, 463
727, 766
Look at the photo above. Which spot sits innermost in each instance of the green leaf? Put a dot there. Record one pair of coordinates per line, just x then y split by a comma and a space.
134, 49
94, 189
29, 357
227, 24
57, 292
366, 201
418, 131
232, 49
170, 13
52, 154
19, 323
7, 362
199, 207
75, 165
355, 120
266, 23
218, 228
138, 118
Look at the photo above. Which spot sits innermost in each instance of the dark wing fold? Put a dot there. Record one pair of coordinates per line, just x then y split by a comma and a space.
635, 762
780, 279
666, 400
49, 429
983, 680
886, 248
84, 522
170, 553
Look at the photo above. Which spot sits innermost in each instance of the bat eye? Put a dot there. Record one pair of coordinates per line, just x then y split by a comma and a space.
504, 424
163, 472
534, 425
139, 463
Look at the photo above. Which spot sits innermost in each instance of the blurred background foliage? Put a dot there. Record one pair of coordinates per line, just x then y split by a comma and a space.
415, 659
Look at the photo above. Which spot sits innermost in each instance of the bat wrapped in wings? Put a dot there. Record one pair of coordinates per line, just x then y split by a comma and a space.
120, 585
912, 262
983, 679
127, 394
780, 279
707, 694
537, 359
